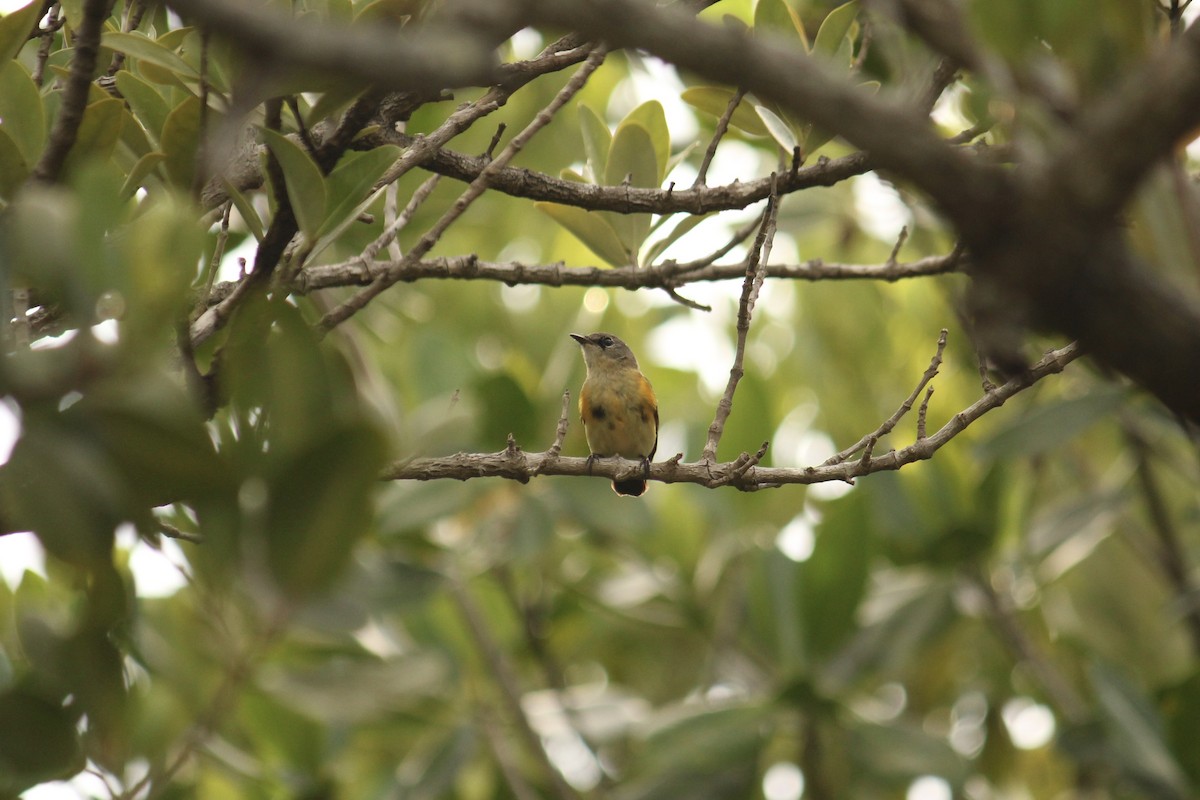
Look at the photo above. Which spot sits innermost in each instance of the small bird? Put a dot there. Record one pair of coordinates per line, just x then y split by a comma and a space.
617, 406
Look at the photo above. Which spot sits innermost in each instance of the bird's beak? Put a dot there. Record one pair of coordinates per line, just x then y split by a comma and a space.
581, 339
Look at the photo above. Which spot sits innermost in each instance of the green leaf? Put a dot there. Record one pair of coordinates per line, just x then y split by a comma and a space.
143, 48
1049, 426
776, 16
65, 490
650, 115
1136, 733
596, 141
246, 209
631, 158
685, 225
834, 28
591, 229
714, 100
13, 167
305, 184
350, 182
149, 106
15, 28
834, 578
137, 175
780, 130
98, 133
22, 115
39, 743
179, 140
320, 505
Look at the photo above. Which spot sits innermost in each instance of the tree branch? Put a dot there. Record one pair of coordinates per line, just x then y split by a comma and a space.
743, 473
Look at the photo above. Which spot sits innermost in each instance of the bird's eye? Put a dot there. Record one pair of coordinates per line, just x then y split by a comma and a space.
606, 341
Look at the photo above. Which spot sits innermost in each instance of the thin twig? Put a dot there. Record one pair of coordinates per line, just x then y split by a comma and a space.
718, 134
755, 261
358, 301
931, 371
53, 24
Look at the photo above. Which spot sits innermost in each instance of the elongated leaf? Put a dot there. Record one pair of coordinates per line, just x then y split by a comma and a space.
834, 28
320, 505
22, 116
778, 127
143, 48
678, 232
591, 229
179, 140
15, 28
714, 100
596, 141
1049, 426
305, 184
144, 166
777, 17
246, 209
650, 115
349, 183
149, 107
631, 158
98, 133
47, 745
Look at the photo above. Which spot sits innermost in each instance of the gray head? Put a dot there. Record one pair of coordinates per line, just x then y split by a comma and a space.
605, 349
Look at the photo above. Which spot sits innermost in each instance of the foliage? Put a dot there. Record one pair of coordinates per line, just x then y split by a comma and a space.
339, 635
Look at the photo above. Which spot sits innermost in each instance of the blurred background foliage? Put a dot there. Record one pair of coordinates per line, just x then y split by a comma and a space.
1012, 618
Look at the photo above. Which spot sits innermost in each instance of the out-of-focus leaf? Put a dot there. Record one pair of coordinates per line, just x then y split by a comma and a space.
1051, 425
149, 106
834, 28
179, 140
590, 228
834, 578
431, 771
305, 184
144, 48
157, 437
320, 504
777, 17
708, 754
506, 409
714, 100
38, 742
15, 28
22, 116
348, 691
98, 133
64, 489
1136, 734
650, 115
247, 210
596, 141
900, 753
1181, 706
137, 176
13, 169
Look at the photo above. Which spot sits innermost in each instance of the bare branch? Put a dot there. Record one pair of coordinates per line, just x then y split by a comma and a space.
515, 464
750, 288
348, 308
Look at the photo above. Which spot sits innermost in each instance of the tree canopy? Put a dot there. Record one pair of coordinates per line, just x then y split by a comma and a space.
288, 289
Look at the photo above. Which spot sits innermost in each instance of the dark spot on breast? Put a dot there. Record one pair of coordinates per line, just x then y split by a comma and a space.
598, 412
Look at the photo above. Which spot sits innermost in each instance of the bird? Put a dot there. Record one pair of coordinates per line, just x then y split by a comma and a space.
617, 406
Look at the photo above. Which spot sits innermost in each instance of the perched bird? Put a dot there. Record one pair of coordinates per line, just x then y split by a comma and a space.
618, 407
